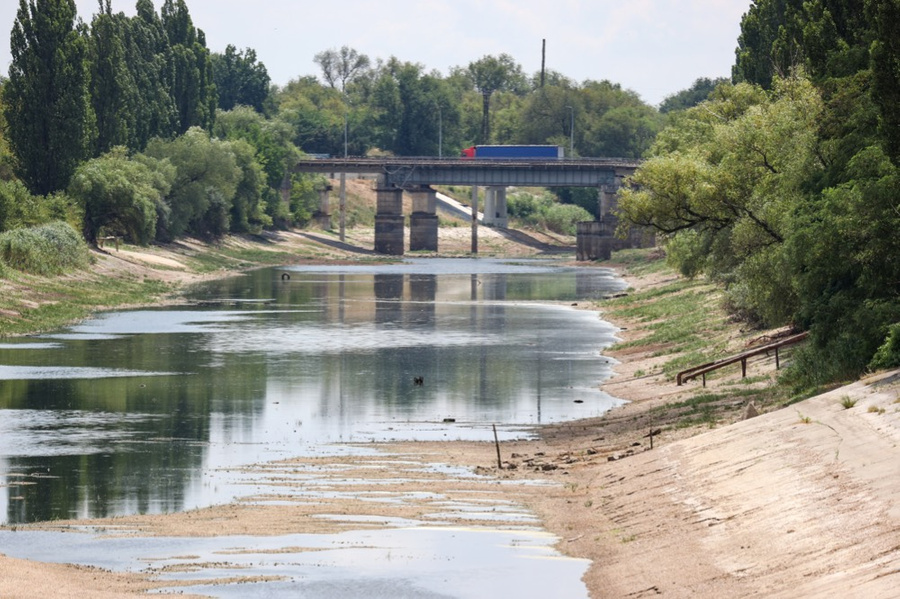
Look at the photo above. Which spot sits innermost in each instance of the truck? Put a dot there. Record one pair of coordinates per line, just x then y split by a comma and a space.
514, 152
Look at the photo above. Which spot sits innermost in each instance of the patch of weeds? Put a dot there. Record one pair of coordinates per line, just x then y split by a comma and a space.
628, 539
751, 380
698, 410
639, 373
589, 503
804, 419
848, 402
875, 410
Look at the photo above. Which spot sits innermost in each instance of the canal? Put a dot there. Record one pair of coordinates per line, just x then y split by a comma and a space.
142, 411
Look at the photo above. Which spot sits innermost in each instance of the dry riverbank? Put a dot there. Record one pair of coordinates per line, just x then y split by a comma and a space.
797, 502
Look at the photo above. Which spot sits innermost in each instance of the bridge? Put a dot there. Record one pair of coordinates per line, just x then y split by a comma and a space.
415, 176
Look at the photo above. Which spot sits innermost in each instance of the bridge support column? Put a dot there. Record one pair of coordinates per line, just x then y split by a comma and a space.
495, 213
322, 216
423, 222
389, 221
596, 240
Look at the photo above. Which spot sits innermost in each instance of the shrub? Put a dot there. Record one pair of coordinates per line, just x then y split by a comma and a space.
888, 355
562, 218
48, 249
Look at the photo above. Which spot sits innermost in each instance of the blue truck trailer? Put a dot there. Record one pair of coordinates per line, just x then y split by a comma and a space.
514, 152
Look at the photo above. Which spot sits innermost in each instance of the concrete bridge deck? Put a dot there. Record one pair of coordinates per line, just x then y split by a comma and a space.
411, 171
416, 175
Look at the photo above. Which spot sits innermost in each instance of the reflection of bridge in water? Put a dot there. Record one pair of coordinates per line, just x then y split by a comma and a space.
415, 176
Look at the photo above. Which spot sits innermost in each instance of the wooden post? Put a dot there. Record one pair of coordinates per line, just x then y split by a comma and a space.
744, 368
777, 362
497, 444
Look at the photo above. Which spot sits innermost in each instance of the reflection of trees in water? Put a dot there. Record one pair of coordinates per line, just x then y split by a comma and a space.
484, 369
148, 445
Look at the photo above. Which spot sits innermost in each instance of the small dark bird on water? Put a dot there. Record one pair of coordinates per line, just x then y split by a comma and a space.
419, 381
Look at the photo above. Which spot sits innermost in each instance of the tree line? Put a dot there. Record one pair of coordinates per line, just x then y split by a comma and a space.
783, 185
131, 126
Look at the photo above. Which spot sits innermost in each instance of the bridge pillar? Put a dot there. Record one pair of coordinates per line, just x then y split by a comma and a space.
596, 240
323, 215
423, 222
495, 212
389, 221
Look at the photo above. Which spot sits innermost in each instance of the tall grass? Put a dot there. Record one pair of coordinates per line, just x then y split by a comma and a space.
50, 249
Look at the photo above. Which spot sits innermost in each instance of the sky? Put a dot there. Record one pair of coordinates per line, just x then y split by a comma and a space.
652, 47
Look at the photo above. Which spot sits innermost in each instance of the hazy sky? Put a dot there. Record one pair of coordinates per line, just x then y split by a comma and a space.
653, 47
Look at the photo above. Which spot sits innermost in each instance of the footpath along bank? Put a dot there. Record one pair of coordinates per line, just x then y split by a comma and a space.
798, 501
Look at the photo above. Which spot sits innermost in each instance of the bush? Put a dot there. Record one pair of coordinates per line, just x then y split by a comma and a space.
543, 211
888, 355
562, 218
48, 249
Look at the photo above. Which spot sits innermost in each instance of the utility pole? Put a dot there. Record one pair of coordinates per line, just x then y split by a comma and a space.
343, 200
543, 59
571, 131
474, 219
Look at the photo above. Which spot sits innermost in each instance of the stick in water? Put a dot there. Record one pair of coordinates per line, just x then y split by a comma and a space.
497, 444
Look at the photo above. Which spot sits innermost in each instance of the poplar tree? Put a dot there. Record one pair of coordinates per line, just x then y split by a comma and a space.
113, 93
147, 49
46, 99
193, 86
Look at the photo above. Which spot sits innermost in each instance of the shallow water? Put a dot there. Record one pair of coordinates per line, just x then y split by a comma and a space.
422, 562
139, 411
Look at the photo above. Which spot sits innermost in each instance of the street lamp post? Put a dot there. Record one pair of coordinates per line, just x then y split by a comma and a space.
571, 131
440, 133
343, 193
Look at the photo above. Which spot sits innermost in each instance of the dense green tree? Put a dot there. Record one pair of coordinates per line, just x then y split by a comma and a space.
885, 15
119, 197
826, 38
409, 109
148, 59
491, 74
549, 113
726, 179
113, 91
193, 88
7, 168
240, 79
316, 113
846, 273
271, 140
46, 99
204, 186
698, 92
247, 213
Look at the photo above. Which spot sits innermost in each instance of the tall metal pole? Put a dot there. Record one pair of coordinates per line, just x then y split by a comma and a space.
571, 131
343, 200
474, 219
440, 133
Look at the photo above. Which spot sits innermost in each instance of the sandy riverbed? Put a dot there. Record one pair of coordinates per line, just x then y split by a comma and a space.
798, 502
